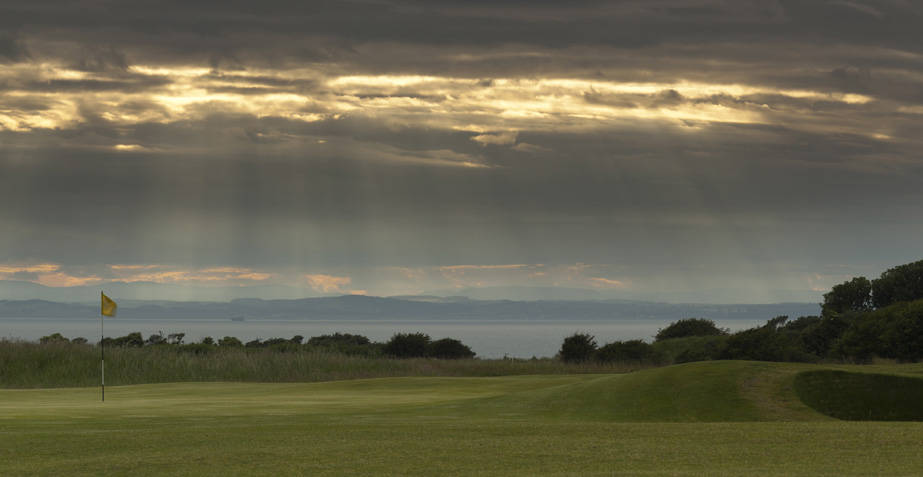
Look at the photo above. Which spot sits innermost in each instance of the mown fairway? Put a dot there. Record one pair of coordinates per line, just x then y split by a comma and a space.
711, 418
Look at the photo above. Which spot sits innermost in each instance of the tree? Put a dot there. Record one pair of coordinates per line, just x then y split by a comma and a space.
156, 339
690, 327
175, 338
577, 348
901, 283
229, 342
448, 348
407, 345
632, 350
853, 295
53, 338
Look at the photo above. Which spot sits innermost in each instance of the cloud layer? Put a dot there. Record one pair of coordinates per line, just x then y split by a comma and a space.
759, 144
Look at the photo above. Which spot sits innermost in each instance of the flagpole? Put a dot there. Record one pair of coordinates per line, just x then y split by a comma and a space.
102, 354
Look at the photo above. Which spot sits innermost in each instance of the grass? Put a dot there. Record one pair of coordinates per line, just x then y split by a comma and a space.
862, 396
713, 418
33, 365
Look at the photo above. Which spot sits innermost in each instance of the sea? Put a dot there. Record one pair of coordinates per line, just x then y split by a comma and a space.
487, 338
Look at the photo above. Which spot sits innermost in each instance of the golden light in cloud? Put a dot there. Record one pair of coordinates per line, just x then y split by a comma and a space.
496, 109
167, 274
128, 147
600, 282
39, 268
47, 274
59, 279
134, 267
327, 283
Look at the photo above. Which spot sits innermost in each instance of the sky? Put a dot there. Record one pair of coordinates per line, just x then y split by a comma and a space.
699, 151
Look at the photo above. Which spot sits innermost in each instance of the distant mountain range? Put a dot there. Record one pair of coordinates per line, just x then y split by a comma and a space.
430, 308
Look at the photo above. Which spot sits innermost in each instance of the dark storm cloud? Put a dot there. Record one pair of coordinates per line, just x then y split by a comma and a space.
12, 49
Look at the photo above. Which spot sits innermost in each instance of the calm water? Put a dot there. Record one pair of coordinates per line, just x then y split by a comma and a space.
489, 339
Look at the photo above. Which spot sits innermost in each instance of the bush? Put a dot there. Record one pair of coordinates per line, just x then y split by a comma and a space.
769, 342
338, 339
229, 342
407, 345
690, 348
131, 339
346, 343
578, 348
690, 327
448, 348
892, 332
633, 350
901, 283
53, 338
854, 295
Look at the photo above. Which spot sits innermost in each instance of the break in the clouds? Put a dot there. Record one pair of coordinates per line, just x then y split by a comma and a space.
675, 150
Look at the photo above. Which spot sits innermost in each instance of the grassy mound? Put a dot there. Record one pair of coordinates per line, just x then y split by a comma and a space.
717, 391
862, 396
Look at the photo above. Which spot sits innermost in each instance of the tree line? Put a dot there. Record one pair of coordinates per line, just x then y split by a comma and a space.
860, 320
401, 345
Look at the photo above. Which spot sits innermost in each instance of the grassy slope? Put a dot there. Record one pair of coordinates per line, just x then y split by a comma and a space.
572, 424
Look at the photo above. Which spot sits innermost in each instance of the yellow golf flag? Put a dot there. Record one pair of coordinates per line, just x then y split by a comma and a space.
108, 306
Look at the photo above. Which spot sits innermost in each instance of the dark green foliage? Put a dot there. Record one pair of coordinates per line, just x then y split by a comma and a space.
690, 348
860, 396
407, 345
448, 348
621, 351
175, 338
156, 339
79, 340
208, 340
901, 283
229, 342
690, 327
346, 343
578, 348
254, 344
53, 338
853, 295
338, 339
770, 342
892, 332
131, 339
820, 335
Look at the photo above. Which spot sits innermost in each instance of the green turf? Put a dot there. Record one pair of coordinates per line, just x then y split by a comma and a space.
694, 419
862, 396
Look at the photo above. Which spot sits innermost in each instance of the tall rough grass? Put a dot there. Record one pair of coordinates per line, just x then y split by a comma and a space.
31, 365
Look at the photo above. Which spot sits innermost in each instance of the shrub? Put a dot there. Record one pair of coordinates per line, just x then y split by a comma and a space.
131, 339
53, 338
633, 350
769, 342
901, 283
578, 348
229, 342
156, 339
690, 348
690, 327
407, 345
892, 332
854, 295
448, 348
338, 339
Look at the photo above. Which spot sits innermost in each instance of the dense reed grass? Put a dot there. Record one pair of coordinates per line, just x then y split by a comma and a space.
33, 365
